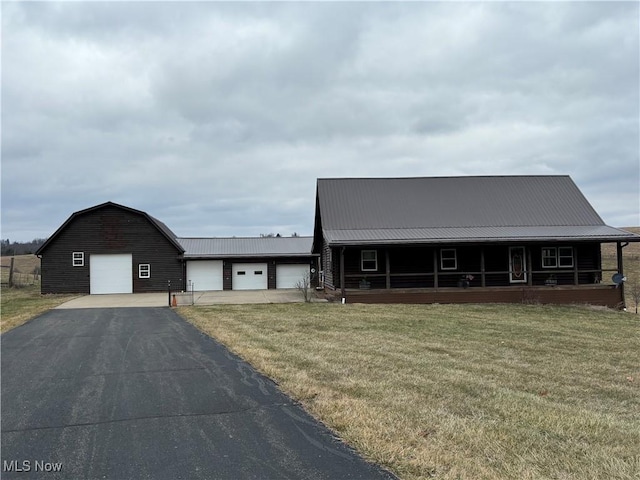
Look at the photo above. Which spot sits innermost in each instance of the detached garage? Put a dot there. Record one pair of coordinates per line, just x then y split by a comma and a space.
256, 263
111, 248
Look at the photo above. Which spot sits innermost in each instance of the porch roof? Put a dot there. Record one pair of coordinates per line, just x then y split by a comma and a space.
598, 233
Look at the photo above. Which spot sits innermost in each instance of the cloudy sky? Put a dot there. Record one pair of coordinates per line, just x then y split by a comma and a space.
217, 118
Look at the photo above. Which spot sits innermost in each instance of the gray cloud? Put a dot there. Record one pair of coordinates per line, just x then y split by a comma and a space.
218, 117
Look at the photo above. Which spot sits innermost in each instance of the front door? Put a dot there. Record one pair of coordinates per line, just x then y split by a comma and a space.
517, 265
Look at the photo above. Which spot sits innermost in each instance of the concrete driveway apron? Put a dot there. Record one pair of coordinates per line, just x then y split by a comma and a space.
140, 393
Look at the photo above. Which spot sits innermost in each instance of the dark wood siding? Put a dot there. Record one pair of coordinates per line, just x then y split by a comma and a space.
605, 295
110, 230
227, 275
271, 272
327, 262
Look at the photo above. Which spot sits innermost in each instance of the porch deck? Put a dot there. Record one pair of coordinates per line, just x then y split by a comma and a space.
592, 294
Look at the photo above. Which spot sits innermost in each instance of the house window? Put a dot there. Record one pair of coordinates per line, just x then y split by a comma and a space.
369, 260
448, 259
77, 259
549, 257
557, 257
144, 270
565, 257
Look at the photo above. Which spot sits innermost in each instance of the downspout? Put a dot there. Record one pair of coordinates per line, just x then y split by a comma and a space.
342, 289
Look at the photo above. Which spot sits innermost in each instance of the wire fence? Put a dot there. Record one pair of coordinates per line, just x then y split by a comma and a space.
10, 276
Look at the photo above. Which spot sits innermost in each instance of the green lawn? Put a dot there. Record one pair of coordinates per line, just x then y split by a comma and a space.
452, 391
18, 305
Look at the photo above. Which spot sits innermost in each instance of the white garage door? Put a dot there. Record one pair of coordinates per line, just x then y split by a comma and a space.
249, 276
205, 275
111, 274
288, 275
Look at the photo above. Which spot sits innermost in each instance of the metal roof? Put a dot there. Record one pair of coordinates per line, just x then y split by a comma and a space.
246, 247
433, 209
473, 234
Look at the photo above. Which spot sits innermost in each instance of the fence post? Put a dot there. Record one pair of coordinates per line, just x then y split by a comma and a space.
169, 291
11, 272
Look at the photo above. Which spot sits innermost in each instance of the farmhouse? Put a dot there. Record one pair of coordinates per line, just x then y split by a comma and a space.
463, 239
418, 240
111, 248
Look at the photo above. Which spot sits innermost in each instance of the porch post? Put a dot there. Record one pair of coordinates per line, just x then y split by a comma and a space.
342, 272
483, 282
435, 268
576, 278
619, 257
620, 270
388, 268
529, 269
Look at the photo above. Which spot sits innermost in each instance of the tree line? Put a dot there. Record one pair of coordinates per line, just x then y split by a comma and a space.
20, 248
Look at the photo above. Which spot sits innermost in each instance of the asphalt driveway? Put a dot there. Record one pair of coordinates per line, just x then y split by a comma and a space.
139, 393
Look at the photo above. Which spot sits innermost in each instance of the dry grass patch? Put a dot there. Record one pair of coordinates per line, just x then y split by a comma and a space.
19, 305
465, 392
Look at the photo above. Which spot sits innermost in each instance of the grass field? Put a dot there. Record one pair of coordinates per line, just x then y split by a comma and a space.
452, 391
24, 267
18, 305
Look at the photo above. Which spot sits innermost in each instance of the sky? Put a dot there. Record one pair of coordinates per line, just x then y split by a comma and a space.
217, 118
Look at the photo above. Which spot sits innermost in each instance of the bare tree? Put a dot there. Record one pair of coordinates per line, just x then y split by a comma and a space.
304, 287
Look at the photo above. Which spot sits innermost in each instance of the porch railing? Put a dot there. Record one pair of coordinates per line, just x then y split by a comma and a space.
477, 278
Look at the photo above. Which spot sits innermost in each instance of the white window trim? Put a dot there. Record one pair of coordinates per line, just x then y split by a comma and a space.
557, 257
442, 259
77, 259
375, 259
570, 256
554, 256
142, 273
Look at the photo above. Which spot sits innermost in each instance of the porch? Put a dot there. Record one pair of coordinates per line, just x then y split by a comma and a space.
559, 273
595, 294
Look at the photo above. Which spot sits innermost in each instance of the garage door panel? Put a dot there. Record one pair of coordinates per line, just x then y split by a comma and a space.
287, 275
205, 275
249, 276
111, 274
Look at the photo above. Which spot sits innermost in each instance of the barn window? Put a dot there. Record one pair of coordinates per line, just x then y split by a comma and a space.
448, 259
369, 260
78, 259
144, 270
